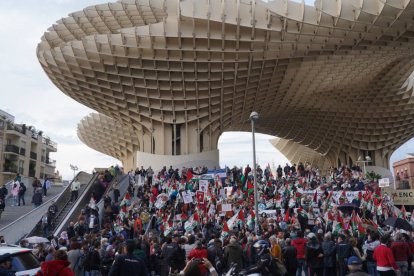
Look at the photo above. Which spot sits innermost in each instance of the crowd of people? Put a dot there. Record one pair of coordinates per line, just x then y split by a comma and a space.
192, 221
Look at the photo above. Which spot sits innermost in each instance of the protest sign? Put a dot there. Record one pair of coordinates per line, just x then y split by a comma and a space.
384, 182
200, 197
226, 208
187, 197
203, 185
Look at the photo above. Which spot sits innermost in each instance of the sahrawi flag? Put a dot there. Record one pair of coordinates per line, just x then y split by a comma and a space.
338, 224
356, 223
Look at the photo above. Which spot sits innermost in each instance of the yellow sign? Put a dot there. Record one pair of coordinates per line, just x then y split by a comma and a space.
401, 197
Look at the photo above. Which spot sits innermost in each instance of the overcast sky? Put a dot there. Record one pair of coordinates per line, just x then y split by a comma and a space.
28, 94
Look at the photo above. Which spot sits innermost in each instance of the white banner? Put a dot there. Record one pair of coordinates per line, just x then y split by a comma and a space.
384, 182
350, 195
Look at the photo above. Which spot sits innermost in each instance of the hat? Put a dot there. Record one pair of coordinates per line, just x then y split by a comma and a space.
354, 260
5, 257
311, 236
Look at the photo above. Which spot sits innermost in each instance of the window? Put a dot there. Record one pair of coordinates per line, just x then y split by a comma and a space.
176, 139
201, 142
21, 166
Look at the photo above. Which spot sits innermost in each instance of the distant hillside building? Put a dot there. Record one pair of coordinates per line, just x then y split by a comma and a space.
24, 150
404, 172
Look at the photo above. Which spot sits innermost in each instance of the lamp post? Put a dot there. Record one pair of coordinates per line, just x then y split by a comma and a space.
74, 168
254, 116
367, 160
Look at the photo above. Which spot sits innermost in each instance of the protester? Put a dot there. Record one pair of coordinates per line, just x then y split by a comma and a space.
58, 266
174, 220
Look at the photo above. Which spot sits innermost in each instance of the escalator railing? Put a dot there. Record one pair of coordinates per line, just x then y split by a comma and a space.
123, 181
82, 202
76, 207
62, 202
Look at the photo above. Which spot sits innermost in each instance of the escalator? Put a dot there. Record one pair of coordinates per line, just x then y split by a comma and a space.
73, 213
63, 203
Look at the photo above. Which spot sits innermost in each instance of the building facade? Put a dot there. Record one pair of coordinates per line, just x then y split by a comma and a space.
404, 173
336, 77
24, 150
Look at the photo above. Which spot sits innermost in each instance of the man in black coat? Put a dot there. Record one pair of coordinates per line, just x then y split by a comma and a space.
289, 255
215, 255
169, 256
127, 263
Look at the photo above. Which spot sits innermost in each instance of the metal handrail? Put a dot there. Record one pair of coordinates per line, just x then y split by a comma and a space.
64, 194
120, 178
63, 223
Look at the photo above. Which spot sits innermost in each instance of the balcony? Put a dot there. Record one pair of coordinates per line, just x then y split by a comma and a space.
9, 166
33, 155
12, 129
22, 151
11, 149
50, 162
49, 143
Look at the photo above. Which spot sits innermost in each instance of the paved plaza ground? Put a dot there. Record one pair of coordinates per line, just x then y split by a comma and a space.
11, 213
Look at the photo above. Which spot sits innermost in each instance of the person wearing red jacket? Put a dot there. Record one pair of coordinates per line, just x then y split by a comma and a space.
300, 244
58, 266
386, 265
199, 253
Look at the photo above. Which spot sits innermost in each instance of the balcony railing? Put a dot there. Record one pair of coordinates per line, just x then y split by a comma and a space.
48, 142
18, 128
11, 148
12, 169
22, 151
33, 155
50, 162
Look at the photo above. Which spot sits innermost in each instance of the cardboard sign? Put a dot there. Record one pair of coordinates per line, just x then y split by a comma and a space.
226, 208
200, 197
187, 197
203, 185
384, 182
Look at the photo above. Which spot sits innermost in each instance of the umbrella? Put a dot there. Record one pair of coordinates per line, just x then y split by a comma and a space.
36, 239
398, 223
348, 207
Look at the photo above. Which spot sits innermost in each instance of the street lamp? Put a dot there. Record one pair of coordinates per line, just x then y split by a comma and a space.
74, 168
254, 116
367, 160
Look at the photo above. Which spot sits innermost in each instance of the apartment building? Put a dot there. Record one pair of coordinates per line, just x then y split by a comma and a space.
24, 150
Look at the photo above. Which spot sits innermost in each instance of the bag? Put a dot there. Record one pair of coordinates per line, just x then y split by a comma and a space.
22, 188
86, 260
79, 261
277, 267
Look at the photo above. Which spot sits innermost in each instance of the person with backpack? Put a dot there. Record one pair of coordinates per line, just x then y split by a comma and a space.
92, 262
20, 196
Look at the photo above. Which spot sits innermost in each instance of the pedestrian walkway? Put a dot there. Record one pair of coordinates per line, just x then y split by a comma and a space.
12, 213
